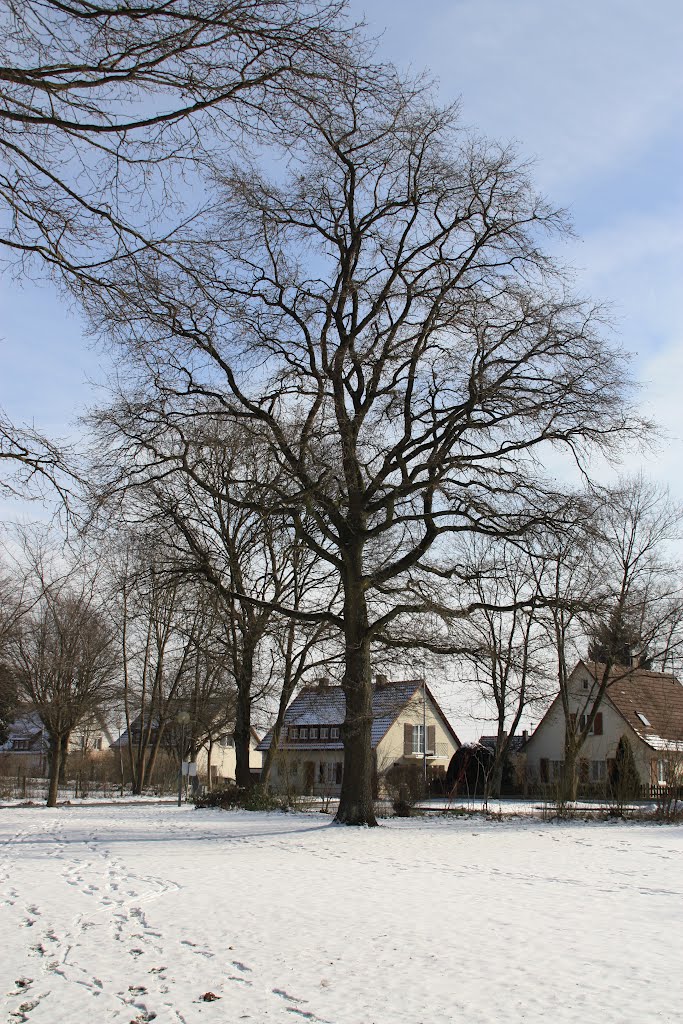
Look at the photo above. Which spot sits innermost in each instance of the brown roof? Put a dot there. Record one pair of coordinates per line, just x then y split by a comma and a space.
657, 696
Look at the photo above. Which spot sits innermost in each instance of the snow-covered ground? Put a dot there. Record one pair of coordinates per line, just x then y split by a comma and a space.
134, 913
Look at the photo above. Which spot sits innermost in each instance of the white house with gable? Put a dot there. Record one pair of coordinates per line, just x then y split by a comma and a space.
644, 706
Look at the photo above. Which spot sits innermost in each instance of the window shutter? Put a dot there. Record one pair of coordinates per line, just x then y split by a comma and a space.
431, 739
407, 739
544, 769
597, 724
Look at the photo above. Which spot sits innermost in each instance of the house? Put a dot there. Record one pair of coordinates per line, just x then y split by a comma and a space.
27, 746
310, 755
644, 706
215, 757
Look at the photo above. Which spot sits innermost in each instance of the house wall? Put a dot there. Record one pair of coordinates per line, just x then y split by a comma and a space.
390, 747
224, 762
548, 739
291, 773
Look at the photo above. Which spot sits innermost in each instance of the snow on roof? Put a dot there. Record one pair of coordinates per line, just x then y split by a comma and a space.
326, 705
651, 702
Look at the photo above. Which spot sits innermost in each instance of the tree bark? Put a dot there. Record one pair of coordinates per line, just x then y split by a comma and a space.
63, 754
53, 784
243, 721
569, 780
356, 805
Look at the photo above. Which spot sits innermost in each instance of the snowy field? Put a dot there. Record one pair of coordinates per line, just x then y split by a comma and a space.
135, 913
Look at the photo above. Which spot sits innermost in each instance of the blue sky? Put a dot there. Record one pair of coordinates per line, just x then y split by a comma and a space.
592, 92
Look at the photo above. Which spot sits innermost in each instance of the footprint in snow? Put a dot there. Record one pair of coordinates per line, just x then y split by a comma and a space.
193, 946
285, 995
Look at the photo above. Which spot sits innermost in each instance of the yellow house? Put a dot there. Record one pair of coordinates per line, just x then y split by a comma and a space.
408, 729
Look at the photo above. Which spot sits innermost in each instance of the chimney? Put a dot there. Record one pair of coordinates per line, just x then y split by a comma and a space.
381, 680
525, 735
322, 682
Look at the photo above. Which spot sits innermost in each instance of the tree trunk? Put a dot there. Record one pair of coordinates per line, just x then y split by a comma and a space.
355, 802
209, 754
285, 697
569, 780
495, 783
63, 754
243, 721
53, 784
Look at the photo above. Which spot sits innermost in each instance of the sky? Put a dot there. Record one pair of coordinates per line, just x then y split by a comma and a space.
592, 92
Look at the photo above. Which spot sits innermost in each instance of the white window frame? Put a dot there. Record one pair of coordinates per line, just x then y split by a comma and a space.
418, 739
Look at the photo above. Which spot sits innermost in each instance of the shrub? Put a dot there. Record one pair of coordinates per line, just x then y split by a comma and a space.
253, 798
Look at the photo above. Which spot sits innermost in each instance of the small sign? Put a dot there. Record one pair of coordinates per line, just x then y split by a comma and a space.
189, 768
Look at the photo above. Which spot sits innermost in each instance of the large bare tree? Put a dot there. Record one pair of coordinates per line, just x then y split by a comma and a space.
385, 312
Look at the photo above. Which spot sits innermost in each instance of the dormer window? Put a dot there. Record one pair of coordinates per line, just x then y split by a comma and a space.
643, 719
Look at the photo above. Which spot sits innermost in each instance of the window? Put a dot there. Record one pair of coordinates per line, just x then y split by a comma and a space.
663, 773
330, 773
313, 732
585, 684
596, 727
21, 744
643, 719
295, 767
556, 770
226, 740
294, 732
303, 732
334, 732
324, 732
598, 771
418, 739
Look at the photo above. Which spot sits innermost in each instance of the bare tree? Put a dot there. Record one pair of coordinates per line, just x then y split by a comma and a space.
505, 644
107, 111
160, 624
387, 315
63, 659
102, 104
203, 504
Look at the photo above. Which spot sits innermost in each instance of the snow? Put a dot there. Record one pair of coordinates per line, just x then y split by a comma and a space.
134, 913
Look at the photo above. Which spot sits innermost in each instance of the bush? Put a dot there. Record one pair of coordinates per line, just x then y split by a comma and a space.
624, 782
403, 808
253, 798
